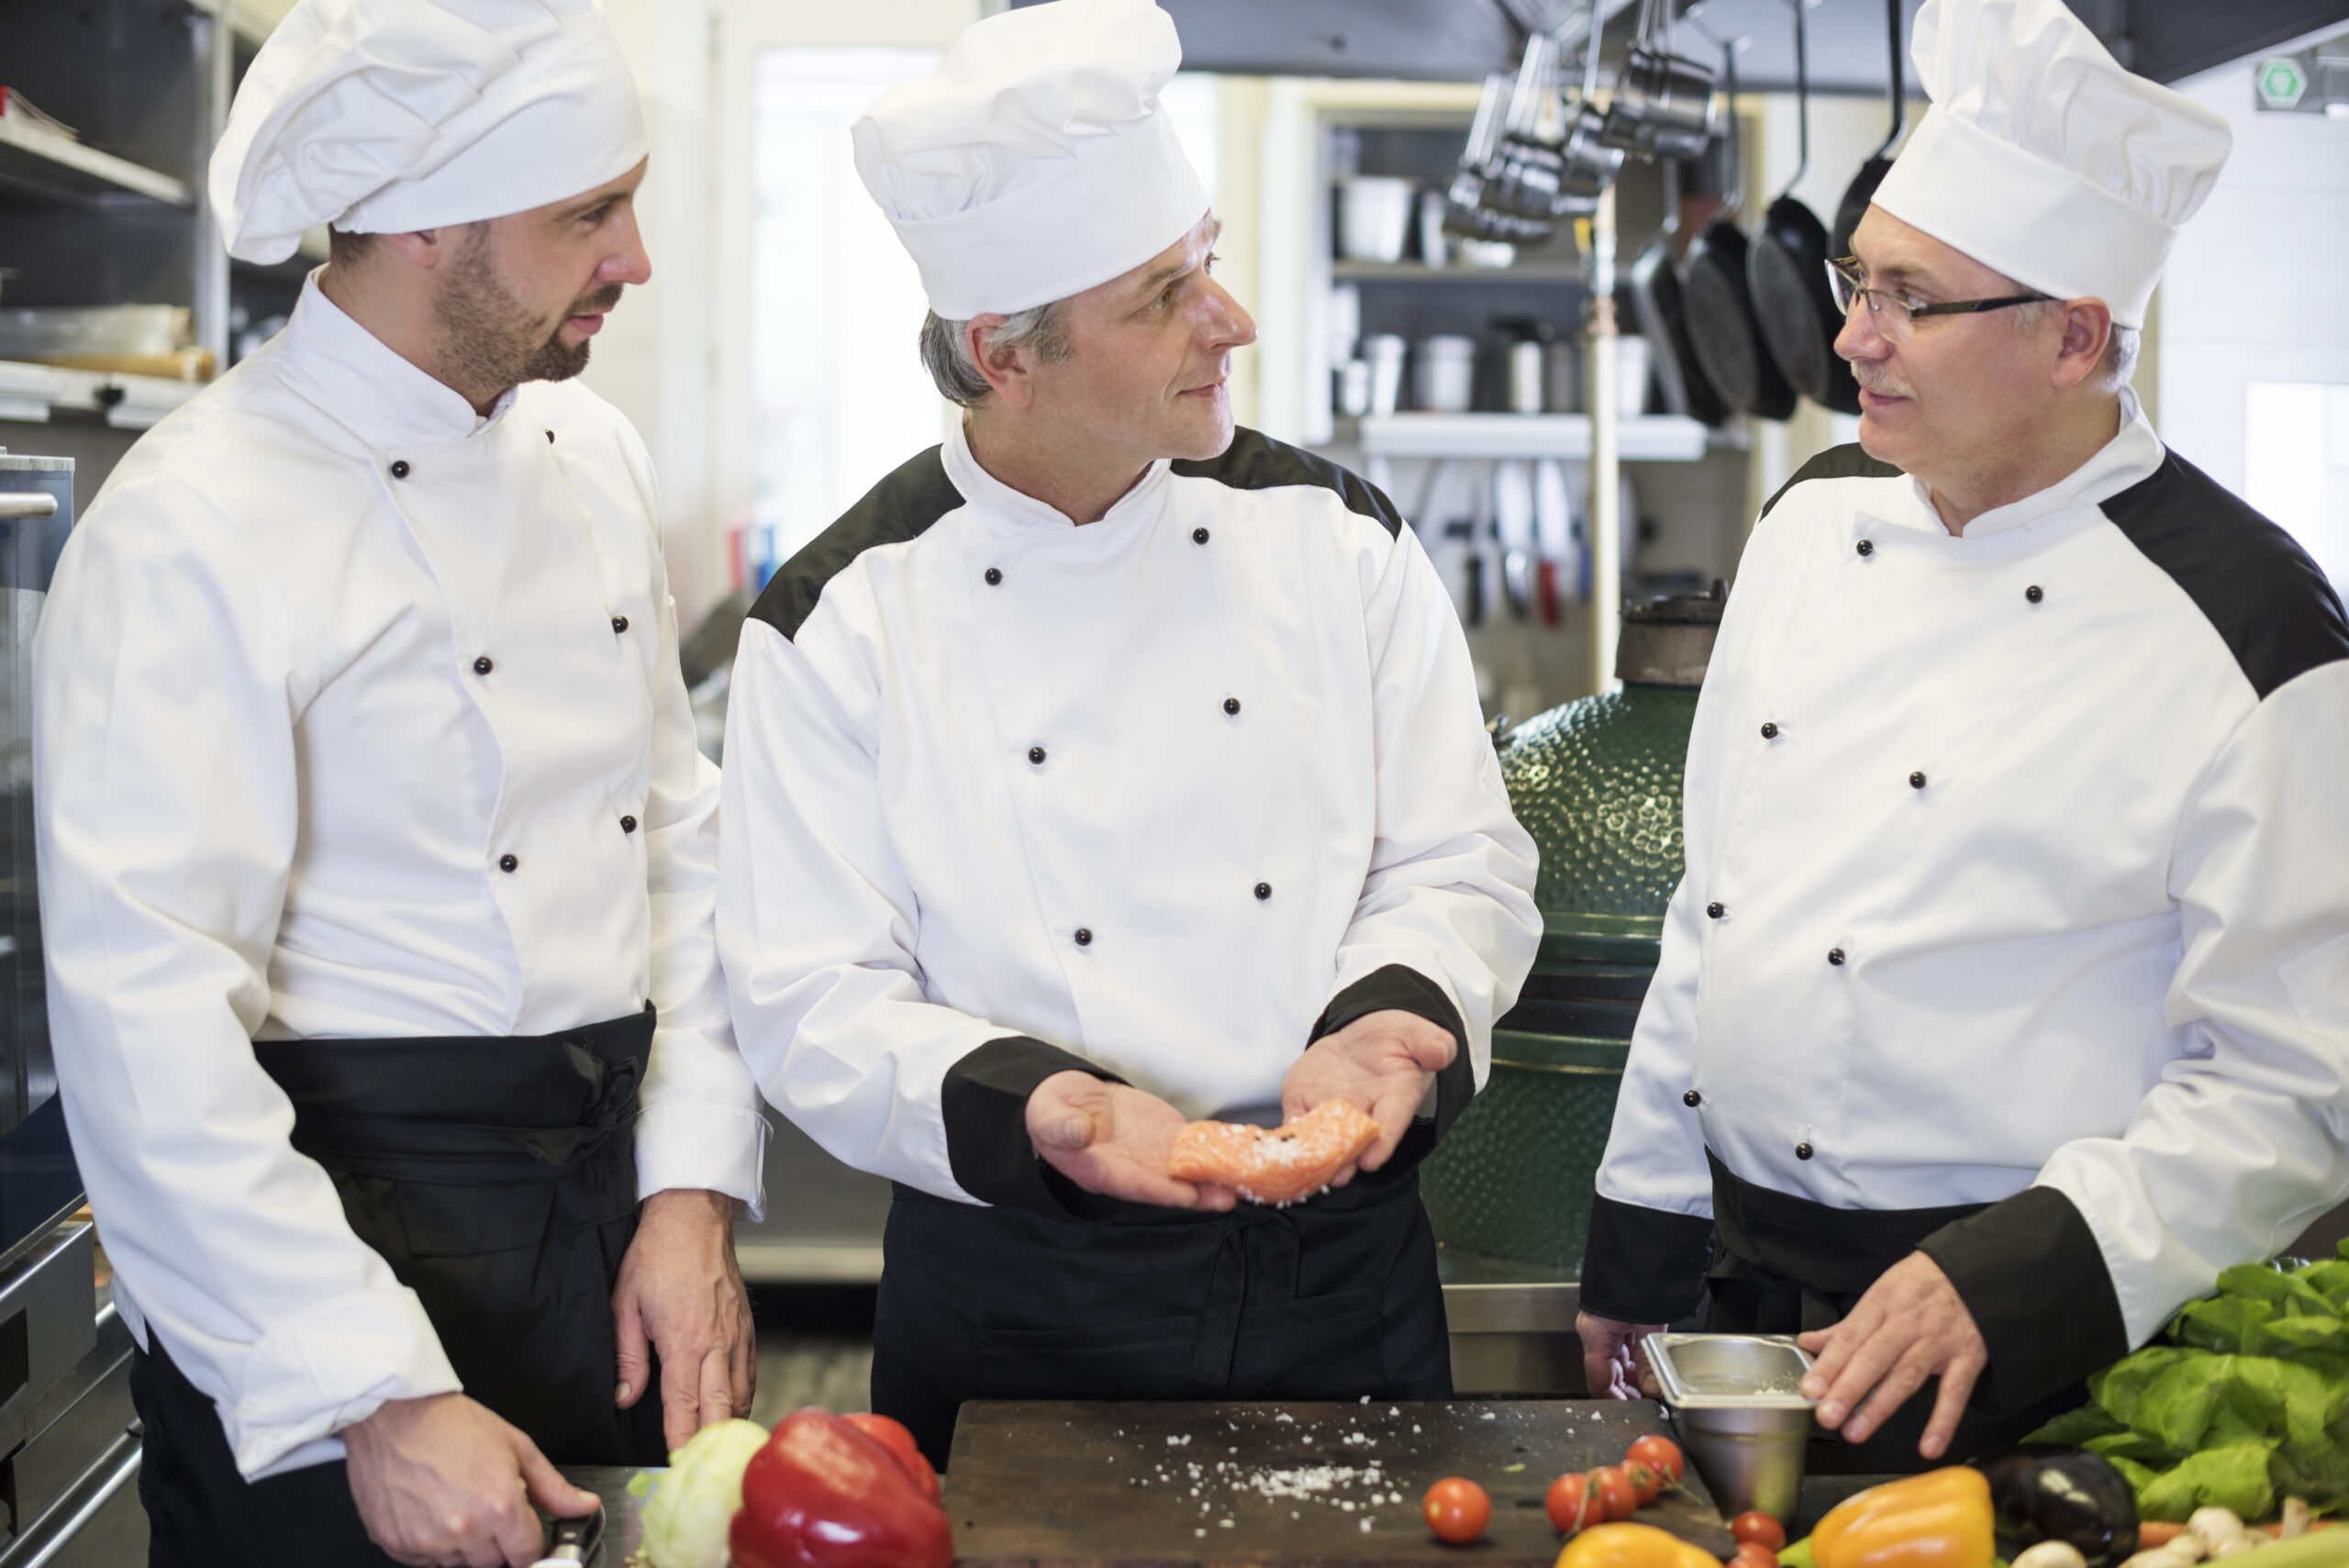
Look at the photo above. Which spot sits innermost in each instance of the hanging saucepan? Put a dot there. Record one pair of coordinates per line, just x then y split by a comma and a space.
1663, 105
1465, 210
1664, 317
1721, 326
1787, 272
1588, 164
1872, 173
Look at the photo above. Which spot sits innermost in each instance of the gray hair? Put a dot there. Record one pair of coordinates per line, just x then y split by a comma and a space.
2120, 350
946, 348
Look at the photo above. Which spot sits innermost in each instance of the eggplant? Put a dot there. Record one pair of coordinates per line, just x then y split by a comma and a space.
2043, 1492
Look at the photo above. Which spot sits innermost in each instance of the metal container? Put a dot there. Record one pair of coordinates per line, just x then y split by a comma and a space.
1526, 380
1742, 1420
1446, 379
1597, 782
1374, 218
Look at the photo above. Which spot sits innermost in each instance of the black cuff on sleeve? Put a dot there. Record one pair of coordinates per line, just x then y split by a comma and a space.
1643, 1265
1398, 986
2031, 1273
984, 1104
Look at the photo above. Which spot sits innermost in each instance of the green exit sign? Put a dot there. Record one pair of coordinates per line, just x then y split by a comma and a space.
2282, 82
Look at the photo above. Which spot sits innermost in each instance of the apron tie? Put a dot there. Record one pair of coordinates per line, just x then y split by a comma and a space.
1258, 1246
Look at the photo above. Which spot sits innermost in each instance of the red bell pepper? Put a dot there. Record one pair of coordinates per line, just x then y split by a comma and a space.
893, 1436
825, 1493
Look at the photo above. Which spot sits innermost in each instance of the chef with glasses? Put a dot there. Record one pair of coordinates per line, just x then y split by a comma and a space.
2005, 1000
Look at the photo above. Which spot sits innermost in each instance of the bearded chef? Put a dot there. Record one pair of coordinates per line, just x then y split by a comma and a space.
378, 862
2006, 998
1103, 768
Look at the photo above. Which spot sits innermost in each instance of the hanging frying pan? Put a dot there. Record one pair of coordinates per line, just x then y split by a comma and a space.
1872, 173
1722, 325
1664, 317
1786, 271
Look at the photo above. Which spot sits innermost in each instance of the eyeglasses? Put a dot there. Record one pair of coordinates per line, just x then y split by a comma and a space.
1893, 310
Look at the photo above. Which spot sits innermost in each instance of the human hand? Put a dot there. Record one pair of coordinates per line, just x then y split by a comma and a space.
680, 1293
1114, 1140
1615, 1358
442, 1480
1383, 1062
1911, 1325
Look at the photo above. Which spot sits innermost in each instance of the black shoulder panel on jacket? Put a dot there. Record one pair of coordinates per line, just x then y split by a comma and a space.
1849, 462
1256, 462
898, 508
2254, 583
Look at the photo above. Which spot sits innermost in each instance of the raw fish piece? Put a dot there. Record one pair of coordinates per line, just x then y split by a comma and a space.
1292, 1160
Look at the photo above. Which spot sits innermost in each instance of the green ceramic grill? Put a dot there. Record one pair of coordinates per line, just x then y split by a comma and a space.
1597, 782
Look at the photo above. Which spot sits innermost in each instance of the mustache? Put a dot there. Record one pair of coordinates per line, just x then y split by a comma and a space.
1881, 381
596, 304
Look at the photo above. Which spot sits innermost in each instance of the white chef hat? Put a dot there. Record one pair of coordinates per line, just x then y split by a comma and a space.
1036, 161
388, 115
2043, 157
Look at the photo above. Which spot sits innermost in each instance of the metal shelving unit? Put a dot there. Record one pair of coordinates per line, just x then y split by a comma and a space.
39, 163
1656, 438
1347, 272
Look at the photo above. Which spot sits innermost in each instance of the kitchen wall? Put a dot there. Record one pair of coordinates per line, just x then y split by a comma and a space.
676, 358
2253, 319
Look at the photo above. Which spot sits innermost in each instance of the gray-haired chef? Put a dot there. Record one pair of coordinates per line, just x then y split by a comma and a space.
377, 859
2005, 999
1103, 768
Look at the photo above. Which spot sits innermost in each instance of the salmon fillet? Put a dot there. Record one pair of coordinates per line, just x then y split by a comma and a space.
1292, 1160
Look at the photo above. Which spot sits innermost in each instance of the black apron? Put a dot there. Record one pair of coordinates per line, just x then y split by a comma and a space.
497, 1178
1332, 1298
1787, 1265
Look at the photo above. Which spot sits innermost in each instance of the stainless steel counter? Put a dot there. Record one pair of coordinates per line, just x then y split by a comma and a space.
1512, 1325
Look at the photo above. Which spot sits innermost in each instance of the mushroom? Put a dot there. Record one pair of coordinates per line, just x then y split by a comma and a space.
2050, 1554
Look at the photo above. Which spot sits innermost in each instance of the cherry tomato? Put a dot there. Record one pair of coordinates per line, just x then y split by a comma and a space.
1753, 1554
1646, 1480
1457, 1510
1614, 1491
1760, 1528
1659, 1452
1572, 1506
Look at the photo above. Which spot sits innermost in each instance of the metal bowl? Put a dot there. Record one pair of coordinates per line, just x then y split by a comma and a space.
1742, 1416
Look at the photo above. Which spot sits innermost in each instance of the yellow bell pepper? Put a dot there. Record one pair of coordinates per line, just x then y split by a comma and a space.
1940, 1520
1633, 1546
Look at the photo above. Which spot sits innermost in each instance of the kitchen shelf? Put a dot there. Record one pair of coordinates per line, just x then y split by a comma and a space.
39, 162
1656, 438
34, 393
1421, 272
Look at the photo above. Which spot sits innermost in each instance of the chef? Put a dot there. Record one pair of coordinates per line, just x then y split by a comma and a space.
1103, 768
378, 862
2006, 998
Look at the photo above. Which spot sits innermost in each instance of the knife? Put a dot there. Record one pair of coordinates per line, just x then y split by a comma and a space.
571, 1542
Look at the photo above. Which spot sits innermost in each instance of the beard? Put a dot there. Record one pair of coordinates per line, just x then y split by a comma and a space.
495, 339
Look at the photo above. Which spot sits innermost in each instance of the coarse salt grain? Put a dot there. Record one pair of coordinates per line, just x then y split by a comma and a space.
1365, 1527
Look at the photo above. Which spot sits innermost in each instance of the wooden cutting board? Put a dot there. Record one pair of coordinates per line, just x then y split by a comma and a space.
1036, 1482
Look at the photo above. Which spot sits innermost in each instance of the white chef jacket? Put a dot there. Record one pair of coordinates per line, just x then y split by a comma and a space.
275, 789
2040, 876
1154, 791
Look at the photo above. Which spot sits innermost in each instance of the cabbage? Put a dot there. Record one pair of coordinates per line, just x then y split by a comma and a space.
693, 1504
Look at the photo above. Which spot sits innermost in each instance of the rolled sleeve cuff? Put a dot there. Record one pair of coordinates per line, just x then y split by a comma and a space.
2008, 1263
984, 1104
1643, 1265
1397, 987
689, 1143
311, 1377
